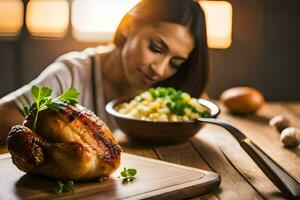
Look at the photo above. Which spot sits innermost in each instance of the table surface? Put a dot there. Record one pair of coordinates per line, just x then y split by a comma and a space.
213, 149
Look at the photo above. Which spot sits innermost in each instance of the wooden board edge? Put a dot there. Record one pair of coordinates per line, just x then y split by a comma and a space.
205, 172
196, 187
206, 183
212, 182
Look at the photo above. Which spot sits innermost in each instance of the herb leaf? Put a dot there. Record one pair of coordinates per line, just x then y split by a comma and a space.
69, 187
128, 174
131, 172
176, 103
43, 101
124, 173
26, 110
70, 96
58, 188
40, 93
62, 188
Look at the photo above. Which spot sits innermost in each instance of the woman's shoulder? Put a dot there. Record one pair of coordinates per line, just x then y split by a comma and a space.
85, 55
77, 64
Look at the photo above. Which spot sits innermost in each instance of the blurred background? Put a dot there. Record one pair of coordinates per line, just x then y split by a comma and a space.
252, 43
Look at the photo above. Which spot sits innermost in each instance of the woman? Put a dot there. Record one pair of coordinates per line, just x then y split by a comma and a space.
158, 42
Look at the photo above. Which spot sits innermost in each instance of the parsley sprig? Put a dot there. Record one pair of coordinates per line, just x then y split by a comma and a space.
62, 188
43, 100
128, 174
176, 104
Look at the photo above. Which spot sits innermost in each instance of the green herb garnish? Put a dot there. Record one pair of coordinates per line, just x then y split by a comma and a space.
176, 104
128, 174
63, 188
43, 100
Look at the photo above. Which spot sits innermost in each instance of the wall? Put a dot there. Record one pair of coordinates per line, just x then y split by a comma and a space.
264, 53
265, 50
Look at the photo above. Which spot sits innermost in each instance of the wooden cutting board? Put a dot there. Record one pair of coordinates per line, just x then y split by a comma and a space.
155, 179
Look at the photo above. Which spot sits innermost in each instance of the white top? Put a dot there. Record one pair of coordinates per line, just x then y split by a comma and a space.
73, 69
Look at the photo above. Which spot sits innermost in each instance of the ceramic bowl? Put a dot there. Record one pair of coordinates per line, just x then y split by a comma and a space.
158, 132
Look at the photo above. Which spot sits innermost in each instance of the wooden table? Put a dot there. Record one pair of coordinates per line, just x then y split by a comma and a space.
215, 150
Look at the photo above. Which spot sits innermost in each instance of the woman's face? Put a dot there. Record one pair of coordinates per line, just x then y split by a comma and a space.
155, 53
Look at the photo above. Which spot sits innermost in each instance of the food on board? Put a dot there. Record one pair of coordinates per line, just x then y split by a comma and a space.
61, 139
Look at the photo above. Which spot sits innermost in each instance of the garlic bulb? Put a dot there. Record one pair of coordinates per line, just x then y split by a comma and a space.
290, 137
279, 122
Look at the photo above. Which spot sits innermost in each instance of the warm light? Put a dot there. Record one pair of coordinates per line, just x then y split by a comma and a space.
97, 20
47, 18
218, 22
11, 17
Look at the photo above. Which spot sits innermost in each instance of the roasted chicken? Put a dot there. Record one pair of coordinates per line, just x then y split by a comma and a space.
72, 143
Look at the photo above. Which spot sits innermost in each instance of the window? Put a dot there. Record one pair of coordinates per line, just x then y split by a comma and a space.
47, 18
11, 15
97, 20
218, 22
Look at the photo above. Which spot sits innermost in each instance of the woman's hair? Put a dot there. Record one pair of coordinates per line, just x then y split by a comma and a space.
192, 75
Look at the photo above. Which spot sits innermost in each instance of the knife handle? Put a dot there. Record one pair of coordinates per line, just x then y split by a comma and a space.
285, 182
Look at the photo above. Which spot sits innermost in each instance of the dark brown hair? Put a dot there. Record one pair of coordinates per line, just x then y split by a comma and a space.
192, 76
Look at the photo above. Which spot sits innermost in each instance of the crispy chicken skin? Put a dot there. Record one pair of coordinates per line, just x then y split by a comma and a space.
72, 143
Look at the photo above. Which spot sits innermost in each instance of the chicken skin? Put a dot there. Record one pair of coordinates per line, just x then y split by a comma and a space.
72, 143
